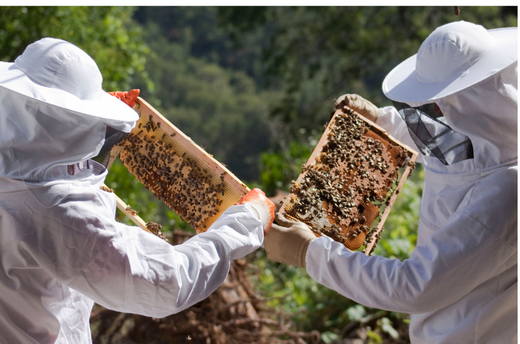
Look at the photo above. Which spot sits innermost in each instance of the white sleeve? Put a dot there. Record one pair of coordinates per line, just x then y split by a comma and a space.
450, 263
137, 272
390, 120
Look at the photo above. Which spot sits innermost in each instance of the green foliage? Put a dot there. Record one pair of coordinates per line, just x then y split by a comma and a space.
197, 29
316, 53
386, 325
330, 337
279, 169
220, 109
105, 33
313, 306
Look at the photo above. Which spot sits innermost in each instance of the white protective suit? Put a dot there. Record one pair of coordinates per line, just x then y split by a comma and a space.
460, 282
61, 249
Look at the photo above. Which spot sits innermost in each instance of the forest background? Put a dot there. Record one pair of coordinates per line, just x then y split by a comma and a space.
254, 86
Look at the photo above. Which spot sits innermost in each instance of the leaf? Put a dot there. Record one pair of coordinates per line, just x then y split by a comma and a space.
329, 337
374, 337
356, 312
388, 328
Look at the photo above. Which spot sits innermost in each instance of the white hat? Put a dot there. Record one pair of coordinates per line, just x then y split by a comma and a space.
455, 56
58, 73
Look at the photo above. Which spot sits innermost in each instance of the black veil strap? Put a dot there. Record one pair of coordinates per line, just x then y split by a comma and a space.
433, 136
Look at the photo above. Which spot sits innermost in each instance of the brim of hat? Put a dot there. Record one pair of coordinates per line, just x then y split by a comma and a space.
402, 84
102, 105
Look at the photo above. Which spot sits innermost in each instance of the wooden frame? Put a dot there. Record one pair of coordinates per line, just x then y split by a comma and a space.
407, 168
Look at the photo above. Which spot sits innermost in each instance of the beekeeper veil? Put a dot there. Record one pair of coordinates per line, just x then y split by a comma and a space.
54, 113
458, 94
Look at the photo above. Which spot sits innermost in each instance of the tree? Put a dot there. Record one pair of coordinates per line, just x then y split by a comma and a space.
105, 33
315, 54
219, 107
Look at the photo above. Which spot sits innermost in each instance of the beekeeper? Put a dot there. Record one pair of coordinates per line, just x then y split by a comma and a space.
60, 248
457, 102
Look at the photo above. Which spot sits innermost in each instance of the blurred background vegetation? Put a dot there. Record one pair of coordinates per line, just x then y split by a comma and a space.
254, 86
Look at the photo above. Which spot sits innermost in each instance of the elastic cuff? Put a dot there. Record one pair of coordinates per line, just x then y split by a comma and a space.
303, 255
378, 116
255, 211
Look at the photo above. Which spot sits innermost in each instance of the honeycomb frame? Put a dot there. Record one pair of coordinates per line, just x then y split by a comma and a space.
176, 170
350, 182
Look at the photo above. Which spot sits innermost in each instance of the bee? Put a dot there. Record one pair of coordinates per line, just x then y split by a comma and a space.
131, 211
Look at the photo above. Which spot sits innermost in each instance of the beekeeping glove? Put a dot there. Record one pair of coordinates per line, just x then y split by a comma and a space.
262, 206
360, 105
127, 97
287, 241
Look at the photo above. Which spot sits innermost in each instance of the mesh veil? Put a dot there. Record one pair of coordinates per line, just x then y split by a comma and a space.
112, 138
433, 136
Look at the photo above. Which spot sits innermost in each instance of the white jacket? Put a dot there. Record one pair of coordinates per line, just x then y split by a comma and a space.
61, 249
460, 282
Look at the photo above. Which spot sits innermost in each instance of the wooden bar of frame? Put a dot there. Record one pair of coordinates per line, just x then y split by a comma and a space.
412, 157
125, 208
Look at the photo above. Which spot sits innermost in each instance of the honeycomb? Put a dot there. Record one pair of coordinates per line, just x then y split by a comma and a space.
177, 171
350, 181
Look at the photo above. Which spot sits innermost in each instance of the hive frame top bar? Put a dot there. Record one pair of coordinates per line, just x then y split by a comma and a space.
412, 156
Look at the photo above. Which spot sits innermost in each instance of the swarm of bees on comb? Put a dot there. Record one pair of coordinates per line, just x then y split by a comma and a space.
177, 171
355, 171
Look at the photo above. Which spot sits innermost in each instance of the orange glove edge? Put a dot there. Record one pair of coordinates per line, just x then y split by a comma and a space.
127, 97
263, 205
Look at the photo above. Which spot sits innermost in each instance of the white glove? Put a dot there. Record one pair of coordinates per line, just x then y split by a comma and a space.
360, 105
287, 242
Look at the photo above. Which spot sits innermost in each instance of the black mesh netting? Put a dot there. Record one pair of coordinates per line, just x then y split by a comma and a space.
112, 138
433, 136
